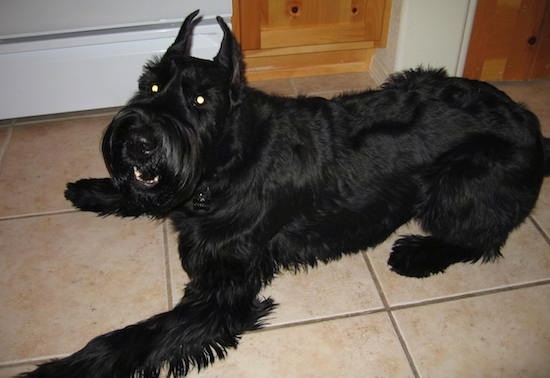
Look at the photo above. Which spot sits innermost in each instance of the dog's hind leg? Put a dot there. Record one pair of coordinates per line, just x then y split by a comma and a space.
473, 197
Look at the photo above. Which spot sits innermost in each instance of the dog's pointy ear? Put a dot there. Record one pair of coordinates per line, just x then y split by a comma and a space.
182, 41
229, 55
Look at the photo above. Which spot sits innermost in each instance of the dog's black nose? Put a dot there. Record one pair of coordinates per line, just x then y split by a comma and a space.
141, 146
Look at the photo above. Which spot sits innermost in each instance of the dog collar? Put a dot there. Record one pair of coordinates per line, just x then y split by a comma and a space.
201, 200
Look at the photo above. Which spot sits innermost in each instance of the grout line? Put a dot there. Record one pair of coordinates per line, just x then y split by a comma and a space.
403, 343
474, 294
68, 116
31, 360
38, 215
391, 316
4, 146
293, 86
539, 228
321, 319
376, 281
168, 273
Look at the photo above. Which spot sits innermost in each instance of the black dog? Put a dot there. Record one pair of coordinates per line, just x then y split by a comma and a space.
256, 183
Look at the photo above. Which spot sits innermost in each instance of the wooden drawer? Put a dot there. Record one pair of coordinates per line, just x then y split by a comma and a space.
309, 35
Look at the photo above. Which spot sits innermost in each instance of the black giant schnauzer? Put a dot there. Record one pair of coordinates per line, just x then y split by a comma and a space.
256, 183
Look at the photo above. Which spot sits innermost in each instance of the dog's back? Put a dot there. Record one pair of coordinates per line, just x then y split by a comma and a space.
457, 155
477, 159
431, 100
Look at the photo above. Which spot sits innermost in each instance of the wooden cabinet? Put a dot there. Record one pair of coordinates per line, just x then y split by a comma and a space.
284, 38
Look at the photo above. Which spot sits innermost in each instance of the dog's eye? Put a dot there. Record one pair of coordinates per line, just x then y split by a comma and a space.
154, 88
199, 101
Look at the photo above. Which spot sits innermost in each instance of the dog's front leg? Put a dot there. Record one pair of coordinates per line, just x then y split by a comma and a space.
196, 332
100, 196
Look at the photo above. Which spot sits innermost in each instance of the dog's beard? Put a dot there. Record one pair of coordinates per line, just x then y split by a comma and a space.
158, 177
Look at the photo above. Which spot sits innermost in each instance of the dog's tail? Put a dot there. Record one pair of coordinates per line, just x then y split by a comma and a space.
193, 334
546, 149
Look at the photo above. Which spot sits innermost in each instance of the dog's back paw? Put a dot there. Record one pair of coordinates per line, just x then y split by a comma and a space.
416, 256
422, 256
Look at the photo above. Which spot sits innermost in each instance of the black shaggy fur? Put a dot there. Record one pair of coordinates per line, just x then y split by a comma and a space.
256, 183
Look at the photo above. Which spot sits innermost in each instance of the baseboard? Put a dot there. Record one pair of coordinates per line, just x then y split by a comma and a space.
82, 71
378, 71
308, 64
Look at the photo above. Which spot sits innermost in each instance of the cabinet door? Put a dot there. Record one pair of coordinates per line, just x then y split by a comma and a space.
268, 24
509, 40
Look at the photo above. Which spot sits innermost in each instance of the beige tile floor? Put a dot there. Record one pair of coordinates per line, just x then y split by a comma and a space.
67, 276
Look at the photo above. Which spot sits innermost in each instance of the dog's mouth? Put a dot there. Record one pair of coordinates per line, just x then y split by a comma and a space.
145, 179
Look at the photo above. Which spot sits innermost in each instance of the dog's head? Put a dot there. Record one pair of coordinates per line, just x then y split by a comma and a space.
155, 147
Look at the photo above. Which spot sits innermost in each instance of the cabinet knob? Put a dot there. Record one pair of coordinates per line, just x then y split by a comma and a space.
531, 41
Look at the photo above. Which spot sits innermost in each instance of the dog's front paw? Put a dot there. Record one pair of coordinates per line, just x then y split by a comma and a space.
83, 192
75, 191
95, 195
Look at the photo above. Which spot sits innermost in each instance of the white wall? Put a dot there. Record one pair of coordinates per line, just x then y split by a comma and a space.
46, 74
431, 33
31, 17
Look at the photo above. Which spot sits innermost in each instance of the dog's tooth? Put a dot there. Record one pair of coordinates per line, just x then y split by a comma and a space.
139, 177
137, 173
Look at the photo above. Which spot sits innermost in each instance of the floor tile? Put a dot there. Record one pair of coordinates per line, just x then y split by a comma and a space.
363, 346
499, 335
69, 277
341, 287
12, 371
281, 87
41, 159
333, 83
526, 259
535, 94
541, 214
